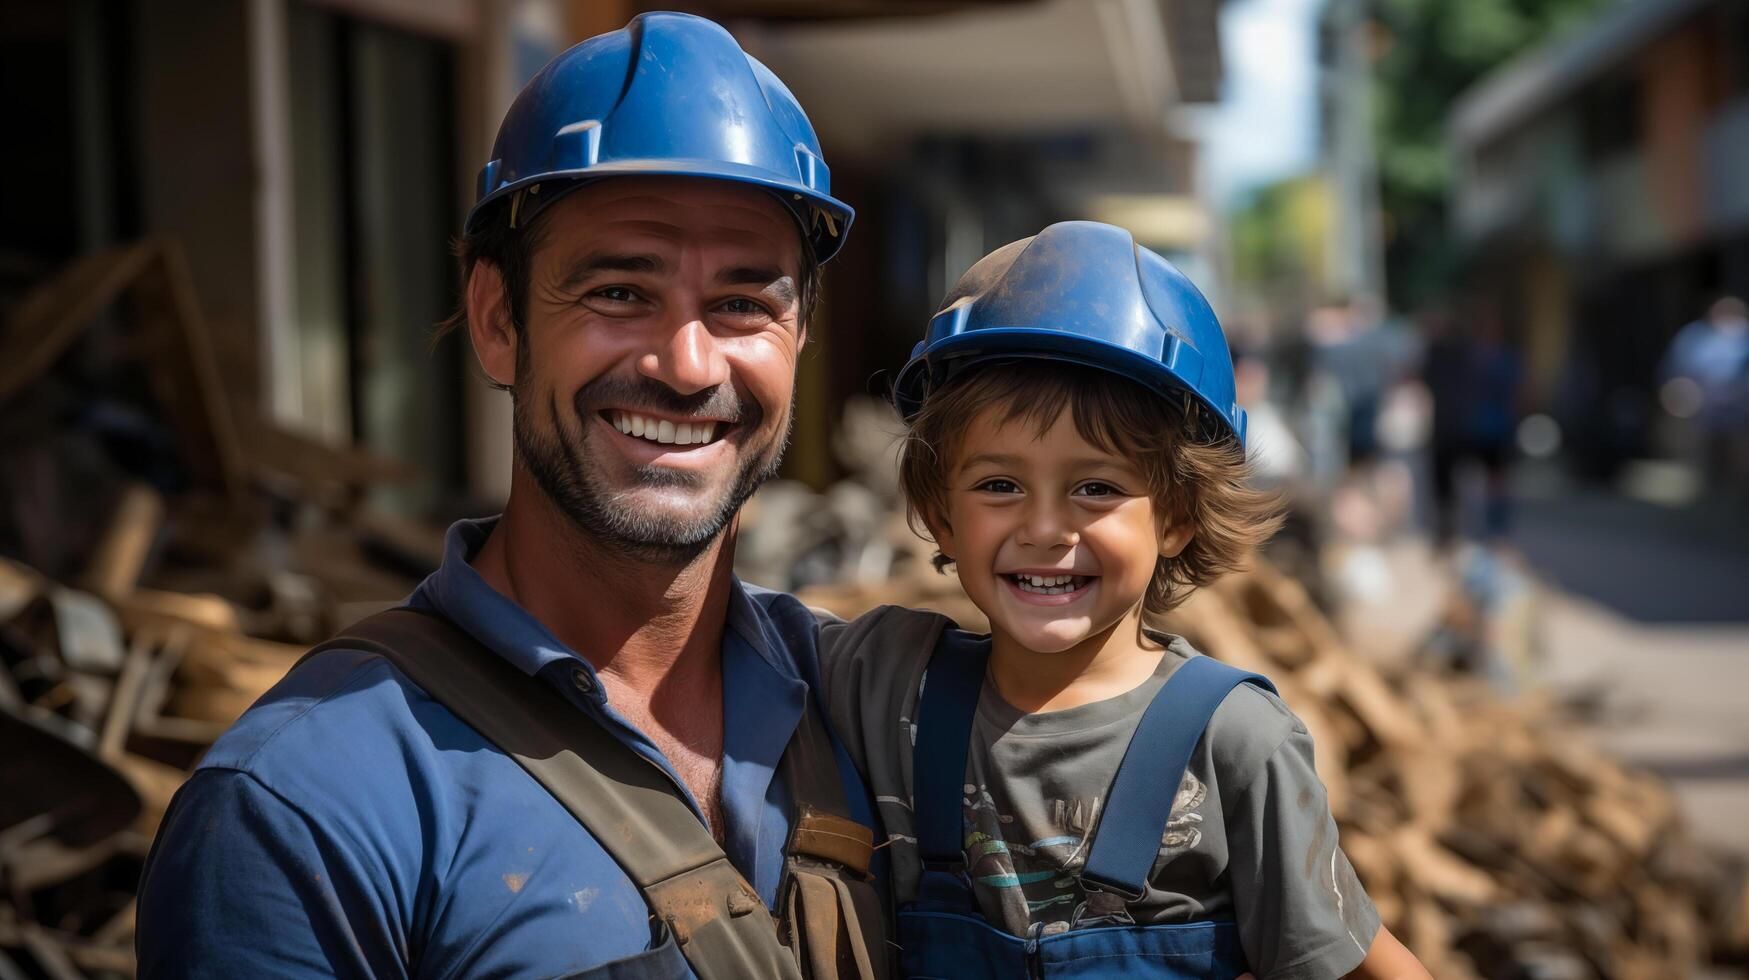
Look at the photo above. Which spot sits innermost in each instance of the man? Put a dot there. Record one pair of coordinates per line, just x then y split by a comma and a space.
1706, 377
640, 269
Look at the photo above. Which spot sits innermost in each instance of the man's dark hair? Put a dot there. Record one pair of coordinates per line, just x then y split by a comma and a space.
511, 250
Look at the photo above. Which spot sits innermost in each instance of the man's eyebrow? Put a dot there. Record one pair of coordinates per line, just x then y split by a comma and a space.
597, 262
779, 282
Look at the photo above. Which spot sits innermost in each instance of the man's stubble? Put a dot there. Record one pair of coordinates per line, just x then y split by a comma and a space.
559, 462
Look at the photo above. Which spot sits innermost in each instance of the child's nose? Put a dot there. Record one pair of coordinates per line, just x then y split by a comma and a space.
1048, 526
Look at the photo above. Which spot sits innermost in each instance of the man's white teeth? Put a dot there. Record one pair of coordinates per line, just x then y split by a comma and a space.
664, 431
1046, 584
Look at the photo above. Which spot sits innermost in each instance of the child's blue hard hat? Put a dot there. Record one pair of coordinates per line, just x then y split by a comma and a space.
669, 94
1084, 293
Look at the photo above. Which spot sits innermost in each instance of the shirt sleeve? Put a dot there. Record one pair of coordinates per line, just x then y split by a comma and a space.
241, 884
1301, 911
868, 667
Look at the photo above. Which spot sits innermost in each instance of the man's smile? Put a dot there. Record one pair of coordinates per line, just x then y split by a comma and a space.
665, 430
706, 440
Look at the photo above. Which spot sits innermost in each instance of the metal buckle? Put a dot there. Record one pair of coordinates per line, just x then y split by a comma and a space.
1092, 884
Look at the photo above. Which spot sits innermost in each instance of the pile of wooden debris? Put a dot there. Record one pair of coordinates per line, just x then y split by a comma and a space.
146, 618
1495, 841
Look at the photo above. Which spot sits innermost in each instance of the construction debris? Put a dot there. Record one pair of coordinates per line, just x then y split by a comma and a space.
164, 596
168, 334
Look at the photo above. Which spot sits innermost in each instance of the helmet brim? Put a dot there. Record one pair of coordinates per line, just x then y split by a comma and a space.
824, 220
1177, 374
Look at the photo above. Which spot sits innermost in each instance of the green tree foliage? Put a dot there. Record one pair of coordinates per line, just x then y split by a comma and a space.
1278, 237
1428, 53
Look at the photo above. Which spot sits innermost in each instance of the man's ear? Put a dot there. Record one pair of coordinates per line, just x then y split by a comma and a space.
1174, 539
490, 325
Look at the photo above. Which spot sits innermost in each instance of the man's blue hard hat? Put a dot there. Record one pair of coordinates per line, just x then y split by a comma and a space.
1084, 293
668, 94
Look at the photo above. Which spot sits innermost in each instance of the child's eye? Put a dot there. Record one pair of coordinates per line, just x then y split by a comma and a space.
998, 486
1098, 489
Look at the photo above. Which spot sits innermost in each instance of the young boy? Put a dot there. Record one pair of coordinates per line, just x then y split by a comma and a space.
1078, 794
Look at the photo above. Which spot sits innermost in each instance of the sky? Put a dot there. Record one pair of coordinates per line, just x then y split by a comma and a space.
1266, 126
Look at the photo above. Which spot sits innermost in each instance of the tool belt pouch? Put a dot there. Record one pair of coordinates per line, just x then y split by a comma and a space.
831, 916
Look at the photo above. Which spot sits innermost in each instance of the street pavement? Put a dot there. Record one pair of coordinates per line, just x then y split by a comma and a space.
1648, 612
1671, 699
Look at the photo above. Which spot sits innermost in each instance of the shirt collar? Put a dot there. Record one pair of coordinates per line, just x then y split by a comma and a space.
461, 594
465, 598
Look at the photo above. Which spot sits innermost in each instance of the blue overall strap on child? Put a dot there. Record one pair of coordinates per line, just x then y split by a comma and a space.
1126, 841
943, 934
944, 738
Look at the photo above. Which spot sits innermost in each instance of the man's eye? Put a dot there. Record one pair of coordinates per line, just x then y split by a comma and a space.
617, 294
741, 306
998, 486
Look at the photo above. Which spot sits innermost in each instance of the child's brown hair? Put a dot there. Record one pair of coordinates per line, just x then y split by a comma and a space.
1191, 477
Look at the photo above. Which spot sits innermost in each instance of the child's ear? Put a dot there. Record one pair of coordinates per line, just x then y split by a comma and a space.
942, 532
1175, 539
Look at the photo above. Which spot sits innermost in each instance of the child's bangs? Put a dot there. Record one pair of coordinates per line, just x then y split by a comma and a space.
1112, 413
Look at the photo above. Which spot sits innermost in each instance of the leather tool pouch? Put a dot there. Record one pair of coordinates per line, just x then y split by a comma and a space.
831, 916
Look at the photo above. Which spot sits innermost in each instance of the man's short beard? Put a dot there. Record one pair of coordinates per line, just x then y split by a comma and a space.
609, 515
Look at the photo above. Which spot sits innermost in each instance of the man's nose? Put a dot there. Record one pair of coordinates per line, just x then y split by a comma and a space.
688, 359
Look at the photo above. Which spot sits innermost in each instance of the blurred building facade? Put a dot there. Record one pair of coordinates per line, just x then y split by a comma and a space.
1601, 194
313, 159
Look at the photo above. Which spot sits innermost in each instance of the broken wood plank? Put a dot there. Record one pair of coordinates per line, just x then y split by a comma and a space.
114, 570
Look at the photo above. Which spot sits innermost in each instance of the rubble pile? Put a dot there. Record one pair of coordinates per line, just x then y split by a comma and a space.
1495, 840
156, 600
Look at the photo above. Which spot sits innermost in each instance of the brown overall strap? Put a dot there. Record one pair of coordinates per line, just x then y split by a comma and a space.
630, 806
832, 917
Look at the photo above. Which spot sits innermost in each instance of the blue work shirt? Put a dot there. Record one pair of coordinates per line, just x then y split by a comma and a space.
349, 825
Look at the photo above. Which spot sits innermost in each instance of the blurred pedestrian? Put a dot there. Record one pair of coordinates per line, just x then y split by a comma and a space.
1706, 379
1474, 378
1354, 344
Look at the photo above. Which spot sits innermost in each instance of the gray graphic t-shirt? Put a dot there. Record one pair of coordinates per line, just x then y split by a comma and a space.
1250, 837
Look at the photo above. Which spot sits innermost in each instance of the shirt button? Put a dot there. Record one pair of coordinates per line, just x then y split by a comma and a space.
580, 679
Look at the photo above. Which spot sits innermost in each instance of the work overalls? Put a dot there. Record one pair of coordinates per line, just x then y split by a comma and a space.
942, 932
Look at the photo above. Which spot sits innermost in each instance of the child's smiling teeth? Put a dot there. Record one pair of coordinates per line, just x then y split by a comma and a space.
1048, 584
664, 431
